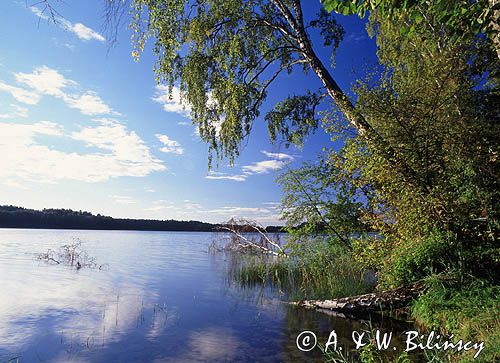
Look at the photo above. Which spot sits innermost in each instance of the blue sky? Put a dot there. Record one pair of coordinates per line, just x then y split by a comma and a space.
84, 126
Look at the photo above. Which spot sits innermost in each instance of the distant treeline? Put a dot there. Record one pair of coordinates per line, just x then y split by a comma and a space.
18, 217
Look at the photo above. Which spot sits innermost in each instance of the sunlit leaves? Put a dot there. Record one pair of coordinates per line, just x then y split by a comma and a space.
436, 102
224, 55
460, 17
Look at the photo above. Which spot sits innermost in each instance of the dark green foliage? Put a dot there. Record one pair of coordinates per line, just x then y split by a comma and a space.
294, 118
331, 32
16, 217
414, 261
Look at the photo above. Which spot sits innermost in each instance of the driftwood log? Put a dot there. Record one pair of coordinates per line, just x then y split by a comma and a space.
373, 302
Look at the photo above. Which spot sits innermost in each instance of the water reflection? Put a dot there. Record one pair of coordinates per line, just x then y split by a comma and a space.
162, 299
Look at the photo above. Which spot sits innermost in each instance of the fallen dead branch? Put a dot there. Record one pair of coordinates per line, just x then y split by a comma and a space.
70, 255
248, 236
373, 302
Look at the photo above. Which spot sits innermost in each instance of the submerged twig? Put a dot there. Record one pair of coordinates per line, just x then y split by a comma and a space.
70, 255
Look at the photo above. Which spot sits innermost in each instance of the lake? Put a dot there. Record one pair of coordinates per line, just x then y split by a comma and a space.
160, 297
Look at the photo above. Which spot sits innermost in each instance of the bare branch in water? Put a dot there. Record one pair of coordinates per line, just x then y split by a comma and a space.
248, 236
70, 255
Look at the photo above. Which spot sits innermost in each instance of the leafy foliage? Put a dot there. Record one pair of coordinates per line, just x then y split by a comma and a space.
436, 102
225, 54
457, 16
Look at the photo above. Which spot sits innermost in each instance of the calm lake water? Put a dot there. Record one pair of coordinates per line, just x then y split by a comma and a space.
161, 298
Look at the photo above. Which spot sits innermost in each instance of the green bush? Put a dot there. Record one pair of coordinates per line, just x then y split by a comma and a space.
414, 260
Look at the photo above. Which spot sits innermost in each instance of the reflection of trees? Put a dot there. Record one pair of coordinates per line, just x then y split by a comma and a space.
298, 320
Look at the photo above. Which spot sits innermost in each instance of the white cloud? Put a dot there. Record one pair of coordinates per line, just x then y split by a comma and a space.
272, 204
124, 145
190, 205
88, 104
47, 81
18, 112
83, 32
222, 176
263, 167
278, 162
38, 13
170, 146
120, 153
279, 156
20, 94
159, 208
232, 210
265, 215
122, 199
161, 204
190, 210
171, 103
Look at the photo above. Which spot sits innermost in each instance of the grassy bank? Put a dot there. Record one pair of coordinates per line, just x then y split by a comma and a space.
452, 303
466, 308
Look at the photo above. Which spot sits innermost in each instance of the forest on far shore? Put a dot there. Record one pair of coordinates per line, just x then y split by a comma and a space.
18, 217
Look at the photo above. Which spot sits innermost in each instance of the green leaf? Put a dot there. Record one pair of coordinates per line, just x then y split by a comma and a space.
353, 9
329, 5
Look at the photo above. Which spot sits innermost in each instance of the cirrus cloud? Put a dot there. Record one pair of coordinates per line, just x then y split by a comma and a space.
279, 161
20, 94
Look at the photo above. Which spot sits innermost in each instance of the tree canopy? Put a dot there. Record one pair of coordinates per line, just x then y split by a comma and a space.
224, 55
436, 99
462, 18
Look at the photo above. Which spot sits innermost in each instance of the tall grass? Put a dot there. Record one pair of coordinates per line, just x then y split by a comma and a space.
316, 270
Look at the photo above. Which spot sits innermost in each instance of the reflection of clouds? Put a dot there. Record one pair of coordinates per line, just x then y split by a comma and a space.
106, 321
214, 343
161, 319
63, 358
209, 345
85, 307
